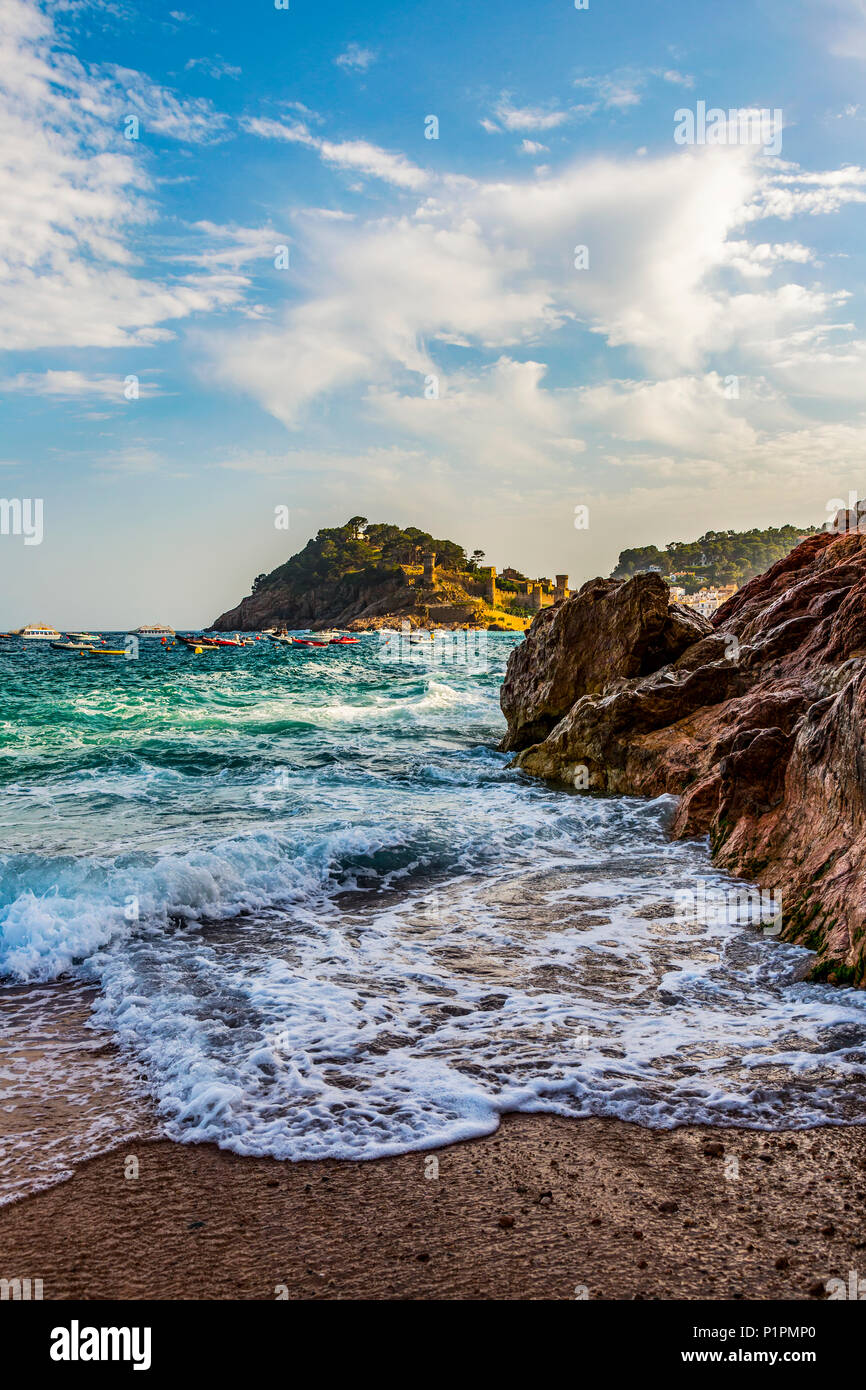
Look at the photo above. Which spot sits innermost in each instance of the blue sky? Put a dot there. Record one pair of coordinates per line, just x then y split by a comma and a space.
704, 369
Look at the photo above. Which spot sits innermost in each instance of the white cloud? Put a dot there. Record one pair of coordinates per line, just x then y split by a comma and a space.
499, 420
70, 202
789, 192
843, 27
359, 155
355, 58
230, 247
679, 79
760, 260
617, 91
216, 67
528, 117
73, 385
490, 267
532, 147
192, 119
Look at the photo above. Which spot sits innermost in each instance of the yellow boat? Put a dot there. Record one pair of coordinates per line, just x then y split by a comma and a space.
104, 651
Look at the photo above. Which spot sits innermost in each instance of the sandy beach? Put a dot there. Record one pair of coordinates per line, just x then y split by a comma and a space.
545, 1208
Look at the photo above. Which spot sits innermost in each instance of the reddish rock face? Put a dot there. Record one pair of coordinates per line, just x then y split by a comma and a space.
756, 721
610, 628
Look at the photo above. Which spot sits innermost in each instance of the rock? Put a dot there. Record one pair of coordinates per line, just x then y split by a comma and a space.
713, 1149
755, 721
783, 1262
611, 628
506, 1222
669, 1207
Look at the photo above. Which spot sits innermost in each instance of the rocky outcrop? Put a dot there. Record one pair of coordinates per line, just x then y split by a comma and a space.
610, 628
755, 721
364, 600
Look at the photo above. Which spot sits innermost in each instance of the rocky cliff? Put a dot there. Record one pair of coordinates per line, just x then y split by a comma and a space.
367, 599
755, 720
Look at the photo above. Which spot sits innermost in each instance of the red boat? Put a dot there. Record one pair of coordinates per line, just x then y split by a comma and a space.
224, 641
306, 642
344, 641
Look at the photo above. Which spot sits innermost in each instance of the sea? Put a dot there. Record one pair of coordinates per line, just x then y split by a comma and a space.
293, 901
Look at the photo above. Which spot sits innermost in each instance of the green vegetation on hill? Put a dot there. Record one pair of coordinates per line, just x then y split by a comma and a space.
719, 557
359, 546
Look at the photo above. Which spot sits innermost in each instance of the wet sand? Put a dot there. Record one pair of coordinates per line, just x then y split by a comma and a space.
542, 1209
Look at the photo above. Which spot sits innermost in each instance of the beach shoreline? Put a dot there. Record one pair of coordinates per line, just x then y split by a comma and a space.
543, 1208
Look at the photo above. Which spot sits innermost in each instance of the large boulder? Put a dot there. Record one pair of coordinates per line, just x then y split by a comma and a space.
610, 628
757, 722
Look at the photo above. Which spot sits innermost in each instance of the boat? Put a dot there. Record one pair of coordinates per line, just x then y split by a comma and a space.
309, 642
71, 646
154, 630
223, 641
88, 637
329, 635
198, 644
343, 641
39, 632
104, 651
281, 640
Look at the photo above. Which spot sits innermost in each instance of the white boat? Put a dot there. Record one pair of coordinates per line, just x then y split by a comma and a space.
84, 636
39, 632
154, 630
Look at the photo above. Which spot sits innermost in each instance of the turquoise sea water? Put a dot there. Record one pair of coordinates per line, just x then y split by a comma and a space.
295, 902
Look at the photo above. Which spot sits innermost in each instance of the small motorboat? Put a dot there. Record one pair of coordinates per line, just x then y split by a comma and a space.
87, 638
71, 646
281, 639
198, 644
102, 651
223, 641
343, 641
308, 642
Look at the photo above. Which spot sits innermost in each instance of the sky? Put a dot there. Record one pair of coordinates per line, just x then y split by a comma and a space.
468, 267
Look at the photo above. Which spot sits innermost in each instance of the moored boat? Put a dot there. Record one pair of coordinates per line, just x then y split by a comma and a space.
154, 630
39, 632
198, 644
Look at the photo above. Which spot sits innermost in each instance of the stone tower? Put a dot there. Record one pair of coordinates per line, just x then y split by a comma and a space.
490, 587
429, 559
561, 590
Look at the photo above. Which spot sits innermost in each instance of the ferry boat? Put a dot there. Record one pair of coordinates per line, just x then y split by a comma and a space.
39, 632
154, 630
